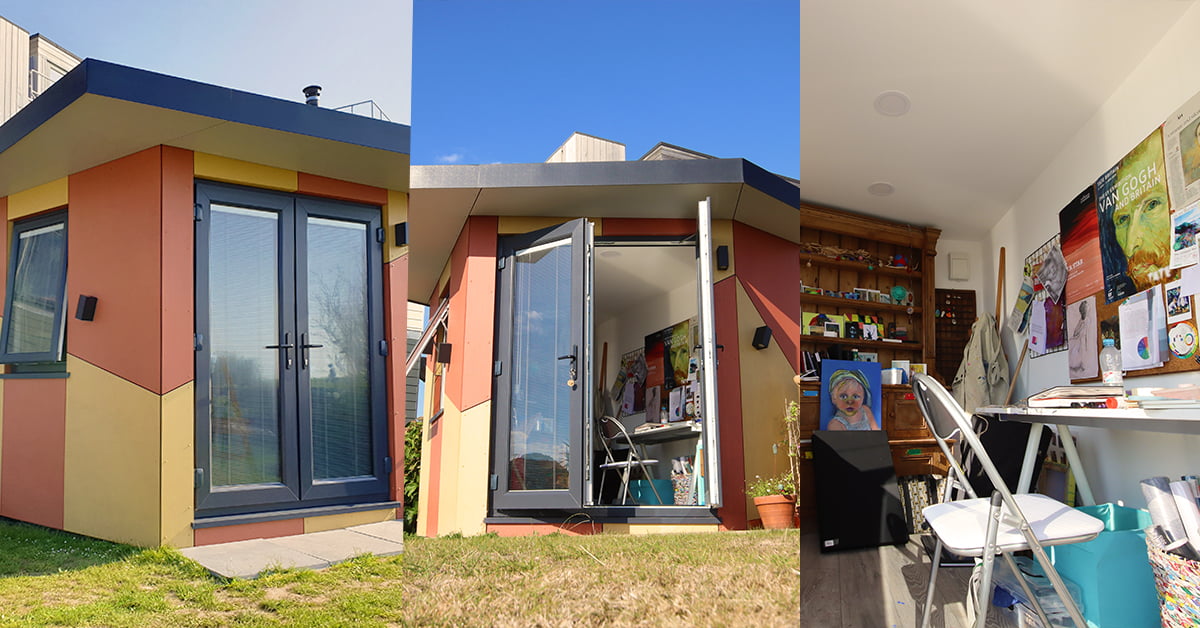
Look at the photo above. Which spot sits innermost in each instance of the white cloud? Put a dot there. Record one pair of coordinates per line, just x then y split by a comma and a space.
452, 158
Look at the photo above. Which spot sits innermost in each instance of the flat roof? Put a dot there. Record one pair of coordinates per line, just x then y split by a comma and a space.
442, 197
102, 111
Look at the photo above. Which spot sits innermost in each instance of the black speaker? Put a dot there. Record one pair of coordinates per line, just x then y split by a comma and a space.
401, 233
762, 338
86, 309
443, 353
858, 500
722, 257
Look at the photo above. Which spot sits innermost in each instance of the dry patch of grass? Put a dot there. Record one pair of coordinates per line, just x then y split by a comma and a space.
606, 580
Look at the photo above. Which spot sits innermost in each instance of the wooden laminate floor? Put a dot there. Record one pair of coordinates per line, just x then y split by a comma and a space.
880, 587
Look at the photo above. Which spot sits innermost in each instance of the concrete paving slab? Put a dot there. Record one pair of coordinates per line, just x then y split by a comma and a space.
247, 559
386, 530
338, 545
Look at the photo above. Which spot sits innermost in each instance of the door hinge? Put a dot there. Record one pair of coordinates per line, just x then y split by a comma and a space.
197, 212
500, 263
383, 348
197, 478
493, 482
380, 235
387, 464
497, 368
198, 342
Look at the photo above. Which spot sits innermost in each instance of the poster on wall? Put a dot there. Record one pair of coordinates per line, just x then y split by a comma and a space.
1181, 145
1083, 357
1184, 225
629, 389
1080, 232
851, 395
1135, 220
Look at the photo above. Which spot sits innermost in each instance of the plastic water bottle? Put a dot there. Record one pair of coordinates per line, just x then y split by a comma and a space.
1111, 372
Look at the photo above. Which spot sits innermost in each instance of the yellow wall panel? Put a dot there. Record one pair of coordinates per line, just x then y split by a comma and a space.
177, 458
722, 235
473, 470
394, 213
658, 528
766, 388
38, 199
525, 224
450, 425
346, 520
112, 472
426, 469
244, 173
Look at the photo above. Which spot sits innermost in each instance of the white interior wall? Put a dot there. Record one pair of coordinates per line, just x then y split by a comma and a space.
1115, 461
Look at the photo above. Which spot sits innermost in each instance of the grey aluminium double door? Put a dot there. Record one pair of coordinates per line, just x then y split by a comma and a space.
290, 399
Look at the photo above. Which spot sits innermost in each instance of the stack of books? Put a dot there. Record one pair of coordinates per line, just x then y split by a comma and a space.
1079, 397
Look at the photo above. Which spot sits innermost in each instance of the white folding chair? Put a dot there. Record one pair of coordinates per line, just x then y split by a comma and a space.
981, 527
614, 433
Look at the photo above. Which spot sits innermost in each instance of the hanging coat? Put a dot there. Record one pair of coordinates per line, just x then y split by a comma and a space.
982, 378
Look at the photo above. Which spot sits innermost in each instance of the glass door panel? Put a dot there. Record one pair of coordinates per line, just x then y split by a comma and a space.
540, 422
244, 414
334, 350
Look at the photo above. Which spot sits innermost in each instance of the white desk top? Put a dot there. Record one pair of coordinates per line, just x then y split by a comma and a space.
1174, 421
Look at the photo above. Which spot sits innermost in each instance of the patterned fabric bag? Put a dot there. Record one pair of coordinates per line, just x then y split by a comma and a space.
917, 492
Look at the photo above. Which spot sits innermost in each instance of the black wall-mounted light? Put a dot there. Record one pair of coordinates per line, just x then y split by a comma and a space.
722, 257
86, 309
762, 338
401, 233
443, 353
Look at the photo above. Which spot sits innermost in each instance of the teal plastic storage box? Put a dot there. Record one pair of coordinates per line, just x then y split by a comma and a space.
1112, 570
640, 489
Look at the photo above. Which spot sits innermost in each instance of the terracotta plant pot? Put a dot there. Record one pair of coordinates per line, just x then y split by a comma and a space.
777, 511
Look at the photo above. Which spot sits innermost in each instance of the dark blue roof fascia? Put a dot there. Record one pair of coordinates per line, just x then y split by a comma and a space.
160, 90
771, 183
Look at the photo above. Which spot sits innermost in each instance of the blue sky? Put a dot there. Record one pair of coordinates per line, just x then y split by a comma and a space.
510, 81
491, 80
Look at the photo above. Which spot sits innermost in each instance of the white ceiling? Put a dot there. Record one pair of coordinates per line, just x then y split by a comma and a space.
997, 89
629, 276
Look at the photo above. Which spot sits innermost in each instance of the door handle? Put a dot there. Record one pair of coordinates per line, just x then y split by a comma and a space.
287, 346
574, 374
304, 347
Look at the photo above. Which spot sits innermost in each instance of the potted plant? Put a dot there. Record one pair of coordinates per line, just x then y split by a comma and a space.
775, 498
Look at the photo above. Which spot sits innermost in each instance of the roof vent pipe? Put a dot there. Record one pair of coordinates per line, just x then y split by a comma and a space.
311, 93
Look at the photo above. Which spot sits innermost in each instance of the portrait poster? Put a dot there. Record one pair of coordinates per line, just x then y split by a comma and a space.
851, 395
629, 389
1082, 345
1184, 225
1135, 220
1080, 236
1181, 148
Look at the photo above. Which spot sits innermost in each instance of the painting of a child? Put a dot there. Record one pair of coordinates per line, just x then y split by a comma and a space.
850, 395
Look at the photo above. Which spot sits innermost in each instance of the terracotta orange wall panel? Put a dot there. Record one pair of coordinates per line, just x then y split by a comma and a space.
336, 188
526, 529
472, 312
31, 481
114, 255
178, 262
729, 405
649, 226
769, 269
395, 291
247, 531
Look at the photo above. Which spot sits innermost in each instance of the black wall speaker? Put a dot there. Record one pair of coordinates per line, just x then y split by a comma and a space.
443, 353
722, 257
762, 338
401, 233
86, 309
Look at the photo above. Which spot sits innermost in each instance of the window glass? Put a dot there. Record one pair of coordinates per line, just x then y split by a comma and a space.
32, 329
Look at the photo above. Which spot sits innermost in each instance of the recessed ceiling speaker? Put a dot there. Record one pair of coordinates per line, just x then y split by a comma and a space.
762, 338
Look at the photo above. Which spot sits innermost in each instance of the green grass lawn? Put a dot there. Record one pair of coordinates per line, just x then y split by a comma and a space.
50, 578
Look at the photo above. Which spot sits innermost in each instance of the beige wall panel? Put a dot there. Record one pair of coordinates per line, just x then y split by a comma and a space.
112, 470
450, 425
767, 386
244, 173
426, 469
475, 437
178, 458
722, 235
658, 528
394, 213
346, 520
38, 199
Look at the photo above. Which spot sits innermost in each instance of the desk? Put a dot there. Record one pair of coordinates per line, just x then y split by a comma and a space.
666, 433
1172, 421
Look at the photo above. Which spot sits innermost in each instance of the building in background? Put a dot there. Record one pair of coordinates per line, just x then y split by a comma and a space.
29, 65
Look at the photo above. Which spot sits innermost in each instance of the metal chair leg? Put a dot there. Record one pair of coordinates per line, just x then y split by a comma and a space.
937, 559
983, 593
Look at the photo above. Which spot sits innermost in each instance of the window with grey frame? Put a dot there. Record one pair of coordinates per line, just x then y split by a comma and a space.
33, 331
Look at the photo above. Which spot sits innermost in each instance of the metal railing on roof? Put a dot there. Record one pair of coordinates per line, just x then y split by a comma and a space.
366, 108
